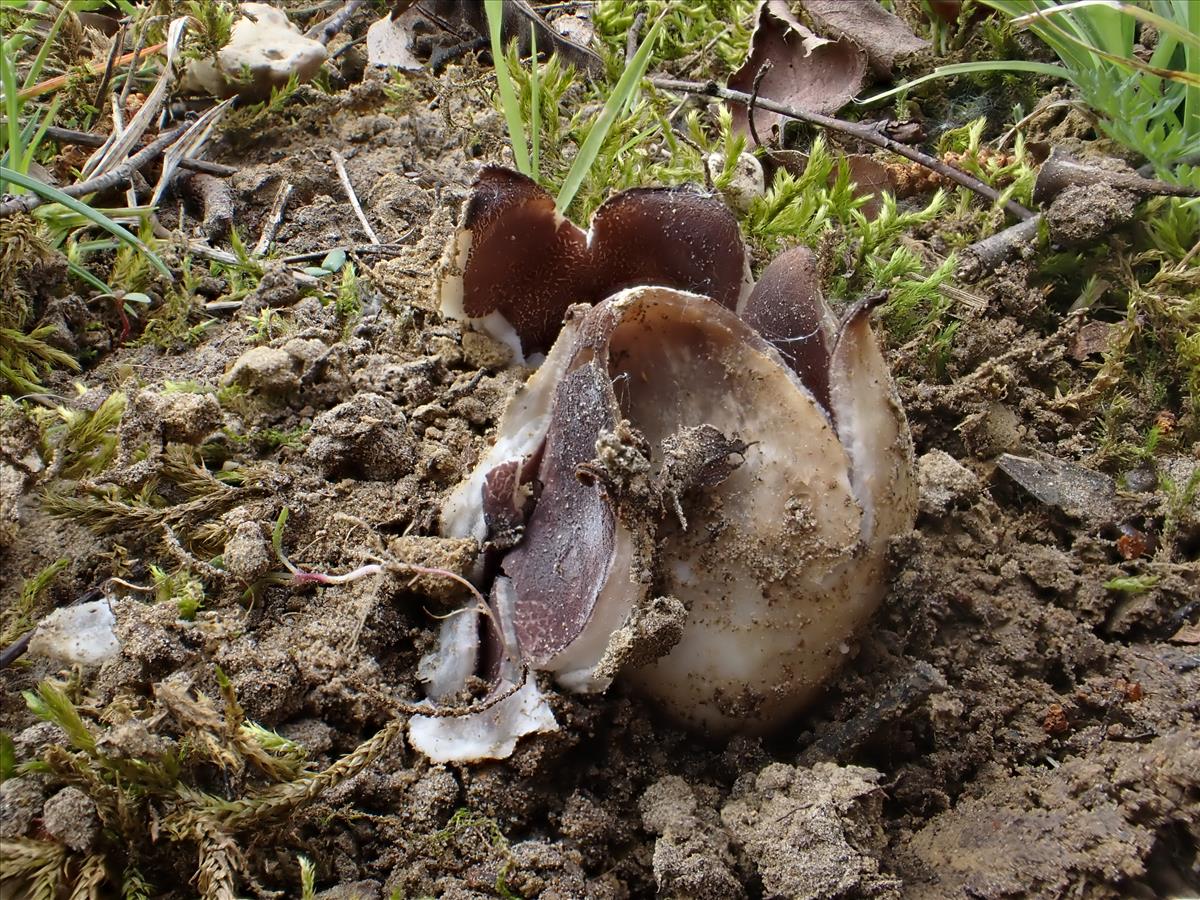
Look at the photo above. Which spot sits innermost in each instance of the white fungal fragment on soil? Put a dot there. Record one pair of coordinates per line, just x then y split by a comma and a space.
78, 635
264, 52
488, 734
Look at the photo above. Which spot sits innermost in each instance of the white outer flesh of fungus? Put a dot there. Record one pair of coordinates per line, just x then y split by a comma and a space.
765, 550
490, 733
522, 430
78, 635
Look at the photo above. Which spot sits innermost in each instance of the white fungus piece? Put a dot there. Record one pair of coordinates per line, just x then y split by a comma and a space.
266, 47
491, 733
78, 635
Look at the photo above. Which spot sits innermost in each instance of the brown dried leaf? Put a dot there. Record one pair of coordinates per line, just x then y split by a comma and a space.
1091, 338
871, 178
806, 71
1188, 634
884, 37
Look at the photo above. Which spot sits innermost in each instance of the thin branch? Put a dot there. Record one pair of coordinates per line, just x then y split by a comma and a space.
55, 83
278, 208
631, 39
984, 256
113, 55
118, 177
393, 248
127, 87
324, 30
340, 163
868, 133
750, 108
87, 139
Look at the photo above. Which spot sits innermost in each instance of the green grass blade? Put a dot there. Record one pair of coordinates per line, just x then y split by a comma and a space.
12, 108
39, 61
32, 145
621, 96
535, 105
100, 221
969, 68
84, 275
1178, 28
504, 83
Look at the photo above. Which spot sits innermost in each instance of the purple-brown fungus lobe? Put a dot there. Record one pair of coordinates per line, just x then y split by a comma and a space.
517, 258
740, 459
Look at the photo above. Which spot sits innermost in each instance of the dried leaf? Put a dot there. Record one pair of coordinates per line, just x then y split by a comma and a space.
1072, 488
1091, 338
884, 36
1188, 634
806, 71
871, 178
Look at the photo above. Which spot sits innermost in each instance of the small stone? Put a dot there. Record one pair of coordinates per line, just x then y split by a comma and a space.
188, 418
366, 437
747, 183
84, 634
944, 483
1141, 481
481, 351
247, 555
994, 430
266, 369
275, 289
1055, 721
12, 489
70, 816
305, 350
358, 890
456, 555
20, 803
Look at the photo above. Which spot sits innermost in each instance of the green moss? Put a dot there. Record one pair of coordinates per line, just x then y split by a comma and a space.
708, 37
20, 617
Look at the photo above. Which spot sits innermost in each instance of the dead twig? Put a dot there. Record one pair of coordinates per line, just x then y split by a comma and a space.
53, 84
87, 139
983, 256
340, 163
117, 47
127, 87
635, 31
382, 249
843, 738
118, 177
215, 199
325, 30
278, 208
868, 133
